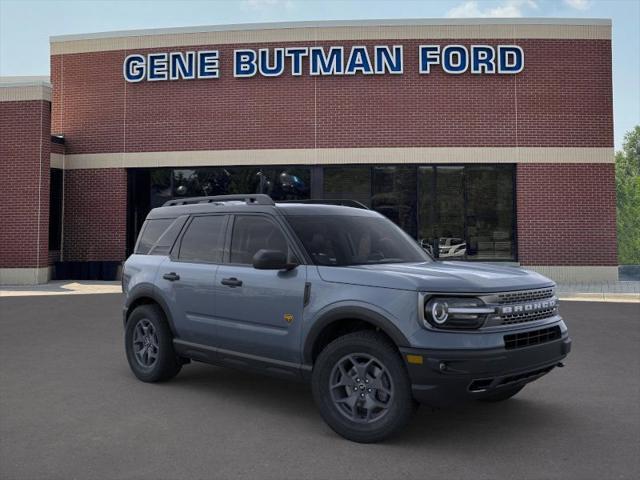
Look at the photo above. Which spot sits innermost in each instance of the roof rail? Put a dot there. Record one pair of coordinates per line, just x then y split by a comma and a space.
339, 202
257, 198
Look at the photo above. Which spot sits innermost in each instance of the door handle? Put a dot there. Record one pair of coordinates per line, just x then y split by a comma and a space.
172, 277
231, 282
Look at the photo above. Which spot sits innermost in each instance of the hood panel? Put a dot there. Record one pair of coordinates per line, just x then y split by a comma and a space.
452, 277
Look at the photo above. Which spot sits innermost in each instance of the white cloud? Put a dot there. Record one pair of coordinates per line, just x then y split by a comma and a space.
508, 8
266, 4
578, 4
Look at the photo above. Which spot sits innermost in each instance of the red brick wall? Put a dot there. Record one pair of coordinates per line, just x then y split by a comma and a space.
57, 148
95, 207
566, 214
24, 197
562, 98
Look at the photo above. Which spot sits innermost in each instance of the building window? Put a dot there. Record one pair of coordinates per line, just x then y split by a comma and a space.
457, 212
348, 183
394, 195
55, 209
490, 212
281, 183
467, 212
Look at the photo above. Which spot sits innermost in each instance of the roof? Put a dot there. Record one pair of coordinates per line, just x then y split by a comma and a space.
344, 30
18, 89
333, 24
288, 209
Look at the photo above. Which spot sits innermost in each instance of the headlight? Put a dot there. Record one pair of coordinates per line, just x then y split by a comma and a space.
455, 312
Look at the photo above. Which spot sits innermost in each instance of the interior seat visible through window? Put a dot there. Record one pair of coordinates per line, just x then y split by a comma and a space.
252, 233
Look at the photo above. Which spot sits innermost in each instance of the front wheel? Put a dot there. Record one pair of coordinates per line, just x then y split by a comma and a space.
361, 387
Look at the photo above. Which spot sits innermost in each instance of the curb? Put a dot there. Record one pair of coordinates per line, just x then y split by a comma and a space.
601, 297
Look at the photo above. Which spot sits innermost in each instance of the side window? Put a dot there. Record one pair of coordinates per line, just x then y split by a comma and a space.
252, 233
204, 239
163, 245
150, 233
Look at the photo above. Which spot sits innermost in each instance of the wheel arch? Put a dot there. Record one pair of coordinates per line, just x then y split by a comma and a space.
144, 295
347, 319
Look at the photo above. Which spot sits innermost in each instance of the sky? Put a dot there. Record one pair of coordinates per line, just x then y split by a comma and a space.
25, 26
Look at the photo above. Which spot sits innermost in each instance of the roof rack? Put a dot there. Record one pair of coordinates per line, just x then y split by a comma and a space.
257, 199
339, 202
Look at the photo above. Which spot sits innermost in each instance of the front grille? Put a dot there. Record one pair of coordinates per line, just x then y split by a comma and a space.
535, 337
528, 317
525, 295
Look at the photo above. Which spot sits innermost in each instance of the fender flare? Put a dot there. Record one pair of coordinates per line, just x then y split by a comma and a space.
146, 290
351, 312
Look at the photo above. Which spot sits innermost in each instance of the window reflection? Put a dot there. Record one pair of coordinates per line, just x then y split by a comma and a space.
394, 195
466, 212
348, 183
489, 191
454, 211
281, 183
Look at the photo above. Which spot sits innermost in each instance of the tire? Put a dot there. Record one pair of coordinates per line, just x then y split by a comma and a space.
147, 329
368, 409
502, 394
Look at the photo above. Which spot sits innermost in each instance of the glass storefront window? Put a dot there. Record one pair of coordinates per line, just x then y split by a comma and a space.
348, 183
394, 195
281, 183
456, 212
467, 212
490, 216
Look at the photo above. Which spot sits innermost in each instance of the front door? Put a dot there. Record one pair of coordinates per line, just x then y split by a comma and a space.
259, 312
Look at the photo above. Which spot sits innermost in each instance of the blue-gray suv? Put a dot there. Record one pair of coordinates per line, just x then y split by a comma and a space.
338, 296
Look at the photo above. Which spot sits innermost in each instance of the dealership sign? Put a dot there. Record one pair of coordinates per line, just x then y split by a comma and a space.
326, 61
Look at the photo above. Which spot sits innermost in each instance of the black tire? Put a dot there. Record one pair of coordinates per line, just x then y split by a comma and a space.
345, 419
502, 394
165, 364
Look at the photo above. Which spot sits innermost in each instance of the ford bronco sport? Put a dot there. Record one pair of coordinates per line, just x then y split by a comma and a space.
338, 296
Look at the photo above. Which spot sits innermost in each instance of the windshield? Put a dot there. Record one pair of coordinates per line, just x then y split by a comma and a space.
340, 240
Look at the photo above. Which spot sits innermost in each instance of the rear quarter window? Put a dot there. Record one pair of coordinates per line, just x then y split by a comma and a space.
151, 232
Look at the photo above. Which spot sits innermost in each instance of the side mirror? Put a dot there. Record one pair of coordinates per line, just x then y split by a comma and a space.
271, 260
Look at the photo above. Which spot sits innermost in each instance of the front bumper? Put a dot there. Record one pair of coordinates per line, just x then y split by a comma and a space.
453, 375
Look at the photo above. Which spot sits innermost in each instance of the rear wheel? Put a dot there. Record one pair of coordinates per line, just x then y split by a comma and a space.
362, 388
502, 394
149, 345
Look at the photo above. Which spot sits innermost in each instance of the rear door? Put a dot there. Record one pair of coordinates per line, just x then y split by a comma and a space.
187, 277
259, 312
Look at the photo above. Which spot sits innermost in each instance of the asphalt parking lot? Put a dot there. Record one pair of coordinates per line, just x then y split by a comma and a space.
70, 408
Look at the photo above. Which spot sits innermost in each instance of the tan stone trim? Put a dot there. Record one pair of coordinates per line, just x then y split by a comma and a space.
23, 93
577, 274
24, 276
329, 156
57, 160
335, 31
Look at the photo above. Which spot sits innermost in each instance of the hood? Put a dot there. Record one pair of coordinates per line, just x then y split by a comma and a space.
450, 277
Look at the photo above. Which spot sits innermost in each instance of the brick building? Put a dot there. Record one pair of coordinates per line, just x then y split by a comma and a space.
486, 140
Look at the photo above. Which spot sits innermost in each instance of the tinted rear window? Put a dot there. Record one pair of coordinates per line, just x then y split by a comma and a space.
150, 233
204, 239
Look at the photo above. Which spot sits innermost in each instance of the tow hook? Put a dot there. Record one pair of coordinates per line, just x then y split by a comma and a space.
560, 364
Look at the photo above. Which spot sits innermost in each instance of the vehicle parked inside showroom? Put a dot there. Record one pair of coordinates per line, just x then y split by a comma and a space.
338, 296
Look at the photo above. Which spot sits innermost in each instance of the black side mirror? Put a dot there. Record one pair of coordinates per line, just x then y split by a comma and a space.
271, 260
